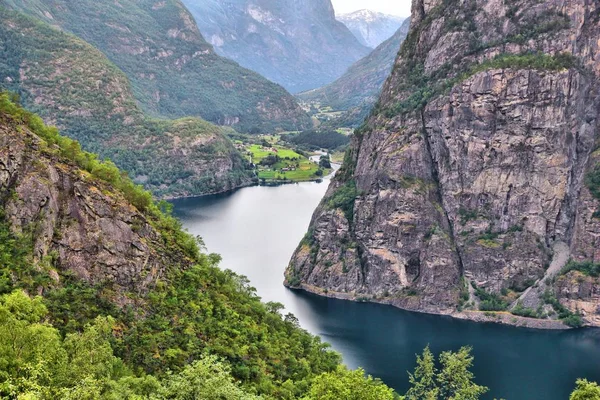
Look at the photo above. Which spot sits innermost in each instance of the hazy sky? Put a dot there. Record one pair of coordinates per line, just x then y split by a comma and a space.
395, 7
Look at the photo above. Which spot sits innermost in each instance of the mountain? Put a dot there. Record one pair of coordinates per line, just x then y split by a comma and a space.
130, 292
298, 44
358, 89
475, 184
371, 28
174, 72
74, 86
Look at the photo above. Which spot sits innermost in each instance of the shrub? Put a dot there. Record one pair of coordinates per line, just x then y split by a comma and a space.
587, 268
344, 198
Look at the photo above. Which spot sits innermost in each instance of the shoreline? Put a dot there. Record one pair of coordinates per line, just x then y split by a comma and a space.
232, 190
272, 183
502, 318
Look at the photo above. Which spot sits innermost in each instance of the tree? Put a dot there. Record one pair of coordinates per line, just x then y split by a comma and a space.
31, 355
348, 385
207, 378
585, 390
453, 381
423, 380
90, 353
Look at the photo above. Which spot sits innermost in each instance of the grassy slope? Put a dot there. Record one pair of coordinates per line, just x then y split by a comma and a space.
73, 85
305, 170
174, 71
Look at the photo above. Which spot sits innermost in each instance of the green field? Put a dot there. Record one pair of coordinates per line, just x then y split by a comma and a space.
303, 168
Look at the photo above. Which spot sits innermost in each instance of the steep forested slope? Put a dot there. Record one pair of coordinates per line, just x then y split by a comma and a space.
73, 85
298, 44
358, 89
174, 71
475, 180
77, 232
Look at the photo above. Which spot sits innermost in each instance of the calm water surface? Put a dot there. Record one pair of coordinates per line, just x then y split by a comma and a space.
256, 231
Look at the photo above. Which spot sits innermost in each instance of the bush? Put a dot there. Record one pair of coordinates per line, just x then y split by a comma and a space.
489, 301
587, 268
344, 198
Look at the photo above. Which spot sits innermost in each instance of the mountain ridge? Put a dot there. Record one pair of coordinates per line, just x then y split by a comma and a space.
358, 89
174, 72
300, 45
92, 101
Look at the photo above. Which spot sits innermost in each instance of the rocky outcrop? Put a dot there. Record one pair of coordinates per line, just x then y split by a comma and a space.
298, 44
79, 225
473, 165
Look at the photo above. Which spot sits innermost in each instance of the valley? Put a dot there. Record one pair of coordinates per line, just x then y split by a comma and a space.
278, 200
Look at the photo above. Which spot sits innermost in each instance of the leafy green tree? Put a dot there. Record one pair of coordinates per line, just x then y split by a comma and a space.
207, 378
455, 379
585, 390
348, 385
31, 355
423, 380
452, 381
90, 353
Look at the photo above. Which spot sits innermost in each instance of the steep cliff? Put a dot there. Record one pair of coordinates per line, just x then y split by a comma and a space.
174, 71
358, 89
74, 86
298, 44
472, 184
371, 28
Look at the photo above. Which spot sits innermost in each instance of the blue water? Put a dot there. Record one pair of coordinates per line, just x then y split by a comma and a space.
256, 231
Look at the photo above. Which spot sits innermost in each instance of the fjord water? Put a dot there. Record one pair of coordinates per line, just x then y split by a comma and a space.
256, 231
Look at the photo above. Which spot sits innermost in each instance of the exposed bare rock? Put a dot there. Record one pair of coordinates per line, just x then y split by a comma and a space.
474, 166
86, 227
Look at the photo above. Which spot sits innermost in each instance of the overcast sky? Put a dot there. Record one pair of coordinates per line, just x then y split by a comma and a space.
394, 7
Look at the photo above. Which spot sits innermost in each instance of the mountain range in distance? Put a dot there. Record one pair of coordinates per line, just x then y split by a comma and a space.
371, 28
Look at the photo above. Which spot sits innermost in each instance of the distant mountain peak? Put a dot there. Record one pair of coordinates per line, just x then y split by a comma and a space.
367, 15
370, 27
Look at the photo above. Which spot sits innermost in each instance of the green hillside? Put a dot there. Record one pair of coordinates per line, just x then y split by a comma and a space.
71, 84
173, 70
358, 89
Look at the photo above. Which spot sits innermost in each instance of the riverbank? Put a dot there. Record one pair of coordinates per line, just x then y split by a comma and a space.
270, 183
503, 318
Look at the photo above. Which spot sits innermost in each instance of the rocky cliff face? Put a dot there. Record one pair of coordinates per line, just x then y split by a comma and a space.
358, 89
466, 190
173, 70
79, 225
298, 44
371, 28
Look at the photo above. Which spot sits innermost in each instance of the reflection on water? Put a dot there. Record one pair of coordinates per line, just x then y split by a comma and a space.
256, 231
